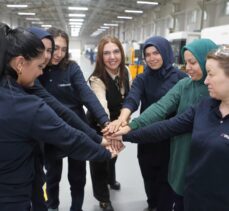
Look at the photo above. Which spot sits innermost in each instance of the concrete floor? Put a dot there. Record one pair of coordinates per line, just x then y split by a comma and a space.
131, 197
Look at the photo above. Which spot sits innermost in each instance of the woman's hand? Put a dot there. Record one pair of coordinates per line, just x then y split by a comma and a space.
122, 131
114, 126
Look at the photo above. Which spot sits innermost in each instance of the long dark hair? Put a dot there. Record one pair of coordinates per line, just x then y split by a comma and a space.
17, 42
55, 32
100, 70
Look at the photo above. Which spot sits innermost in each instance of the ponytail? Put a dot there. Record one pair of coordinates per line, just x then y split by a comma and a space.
4, 31
17, 42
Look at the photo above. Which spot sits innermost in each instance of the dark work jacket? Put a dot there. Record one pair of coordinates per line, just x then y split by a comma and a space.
71, 89
24, 118
207, 186
148, 88
62, 111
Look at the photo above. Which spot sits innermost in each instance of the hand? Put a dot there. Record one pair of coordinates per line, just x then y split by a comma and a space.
117, 145
113, 152
122, 131
105, 142
113, 126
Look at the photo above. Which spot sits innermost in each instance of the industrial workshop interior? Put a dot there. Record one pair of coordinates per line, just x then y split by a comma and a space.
137, 26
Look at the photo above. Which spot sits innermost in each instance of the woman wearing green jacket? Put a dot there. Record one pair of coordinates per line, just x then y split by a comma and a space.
185, 93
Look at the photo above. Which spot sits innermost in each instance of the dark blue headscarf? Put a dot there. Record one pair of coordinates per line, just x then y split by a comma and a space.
164, 48
41, 34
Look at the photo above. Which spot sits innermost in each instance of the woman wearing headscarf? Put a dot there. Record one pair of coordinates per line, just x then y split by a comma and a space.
187, 92
206, 184
158, 78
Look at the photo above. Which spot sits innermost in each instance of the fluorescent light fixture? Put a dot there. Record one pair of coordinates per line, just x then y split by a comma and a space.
134, 11
26, 13
117, 21
76, 27
78, 8
104, 27
96, 33
110, 24
46, 26
37, 22
76, 20
75, 23
125, 17
32, 19
76, 15
17, 5
147, 2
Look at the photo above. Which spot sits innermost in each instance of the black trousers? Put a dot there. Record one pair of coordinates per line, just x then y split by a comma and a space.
178, 202
38, 200
22, 206
153, 160
102, 174
77, 181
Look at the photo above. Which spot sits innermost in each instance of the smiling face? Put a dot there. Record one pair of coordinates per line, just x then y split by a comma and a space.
60, 50
111, 57
192, 66
216, 80
153, 58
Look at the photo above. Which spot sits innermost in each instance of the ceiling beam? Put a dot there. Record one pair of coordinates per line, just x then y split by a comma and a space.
61, 15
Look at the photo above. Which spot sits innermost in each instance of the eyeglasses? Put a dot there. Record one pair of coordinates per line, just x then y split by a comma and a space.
108, 53
222, 51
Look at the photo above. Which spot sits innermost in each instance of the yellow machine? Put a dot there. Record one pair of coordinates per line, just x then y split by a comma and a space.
134, 58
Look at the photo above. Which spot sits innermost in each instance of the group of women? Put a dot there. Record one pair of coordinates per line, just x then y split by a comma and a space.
182, 160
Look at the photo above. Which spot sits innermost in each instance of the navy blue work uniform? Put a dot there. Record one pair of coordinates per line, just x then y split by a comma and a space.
70, 117
70, 88
148, 88
25, 118
207, 186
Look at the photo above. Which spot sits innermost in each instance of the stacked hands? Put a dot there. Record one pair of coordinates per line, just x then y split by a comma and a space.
112, 136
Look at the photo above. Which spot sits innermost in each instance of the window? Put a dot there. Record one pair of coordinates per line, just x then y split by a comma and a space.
227, 8
205, 15
193, 18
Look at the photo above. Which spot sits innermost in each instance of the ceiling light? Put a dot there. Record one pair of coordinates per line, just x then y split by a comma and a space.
17, 5
110, 24
117, 21
76, 15
104, 27
46, 26
75, 23
96, 33
37, 22
78, 8
147, 2
125, 17
26, 13
75, 27
133, 11
32, 19
76, 19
